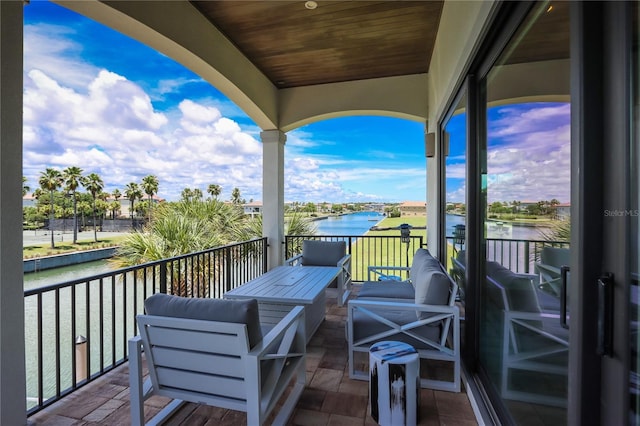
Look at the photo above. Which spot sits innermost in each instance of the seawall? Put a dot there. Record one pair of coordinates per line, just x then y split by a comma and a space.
49, 262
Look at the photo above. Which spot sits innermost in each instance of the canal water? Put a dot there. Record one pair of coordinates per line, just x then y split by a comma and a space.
500, 229
348, 224
65, 273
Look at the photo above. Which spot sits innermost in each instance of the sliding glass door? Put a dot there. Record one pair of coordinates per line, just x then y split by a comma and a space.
526, 194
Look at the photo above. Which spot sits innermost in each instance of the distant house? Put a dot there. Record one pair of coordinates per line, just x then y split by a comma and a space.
253, 208
29, 201
375, 207
413, 208
125, 204
523, 206
563, 211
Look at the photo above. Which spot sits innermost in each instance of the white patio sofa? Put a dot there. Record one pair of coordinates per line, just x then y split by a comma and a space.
213, 352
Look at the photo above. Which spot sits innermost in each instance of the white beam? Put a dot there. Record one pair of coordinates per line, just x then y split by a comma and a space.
401, 97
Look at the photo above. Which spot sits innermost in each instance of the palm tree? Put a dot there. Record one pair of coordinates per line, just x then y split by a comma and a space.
25, 187
179, 228
132, 192
50, 180
117, 195
214, 190
113, 207
94, 185
150, 187
236, 196
72, 177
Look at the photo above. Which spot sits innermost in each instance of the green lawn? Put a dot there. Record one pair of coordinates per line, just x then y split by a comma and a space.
386, 252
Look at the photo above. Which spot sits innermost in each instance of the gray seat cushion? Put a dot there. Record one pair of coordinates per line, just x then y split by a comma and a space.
322, 253
387, 290
221, 310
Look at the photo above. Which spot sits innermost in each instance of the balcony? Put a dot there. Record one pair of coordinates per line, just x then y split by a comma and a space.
103, 308
330, 397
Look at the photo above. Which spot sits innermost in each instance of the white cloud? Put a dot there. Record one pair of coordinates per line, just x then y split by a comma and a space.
50, 48
110, 127
532, 161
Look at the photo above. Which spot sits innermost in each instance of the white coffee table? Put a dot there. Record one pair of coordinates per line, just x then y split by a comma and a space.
284, 287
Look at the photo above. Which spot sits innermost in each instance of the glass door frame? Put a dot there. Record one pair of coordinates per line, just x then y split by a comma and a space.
601, 137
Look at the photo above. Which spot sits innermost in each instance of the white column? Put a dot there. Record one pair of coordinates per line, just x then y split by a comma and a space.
12, 368
273, 194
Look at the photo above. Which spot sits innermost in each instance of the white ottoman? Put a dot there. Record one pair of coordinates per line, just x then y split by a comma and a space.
394, 383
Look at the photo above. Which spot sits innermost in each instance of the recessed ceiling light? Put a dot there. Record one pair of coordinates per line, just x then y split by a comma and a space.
550, 8
310, 4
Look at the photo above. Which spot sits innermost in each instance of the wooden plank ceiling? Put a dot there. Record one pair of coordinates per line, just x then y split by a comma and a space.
337, 41
354, 40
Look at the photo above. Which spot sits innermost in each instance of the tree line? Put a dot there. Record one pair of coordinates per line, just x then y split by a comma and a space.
59, 195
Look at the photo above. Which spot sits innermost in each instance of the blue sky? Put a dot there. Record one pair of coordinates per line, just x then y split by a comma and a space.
95, 99
98, 100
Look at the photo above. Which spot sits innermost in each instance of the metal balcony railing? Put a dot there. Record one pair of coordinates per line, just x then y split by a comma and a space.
516, 255
365, 250
78, 330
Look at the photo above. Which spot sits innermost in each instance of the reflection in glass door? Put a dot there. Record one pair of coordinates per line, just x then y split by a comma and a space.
526, 190
455, 144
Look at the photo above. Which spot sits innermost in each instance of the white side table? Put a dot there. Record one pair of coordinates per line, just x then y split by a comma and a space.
394, 383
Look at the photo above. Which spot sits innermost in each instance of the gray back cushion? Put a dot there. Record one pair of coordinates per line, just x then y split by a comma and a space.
555, 256
236, 311
432, 285
419, 258
519, 290
322, 253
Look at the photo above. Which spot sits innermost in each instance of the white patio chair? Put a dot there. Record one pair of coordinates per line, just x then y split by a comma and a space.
549, 268
225, 363
532, 340
327, 253
431, 325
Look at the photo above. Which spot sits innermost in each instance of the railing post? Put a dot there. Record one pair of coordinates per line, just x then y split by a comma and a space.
227, 272
286, 247
265, 260
163, 277
81, 359
526, 257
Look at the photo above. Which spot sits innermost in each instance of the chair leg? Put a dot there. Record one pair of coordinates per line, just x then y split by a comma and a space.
135, 382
